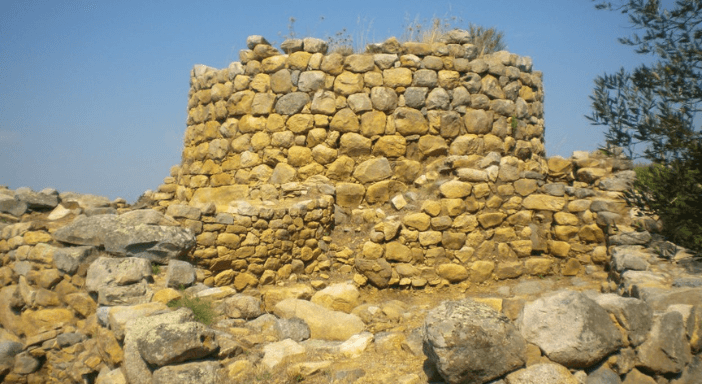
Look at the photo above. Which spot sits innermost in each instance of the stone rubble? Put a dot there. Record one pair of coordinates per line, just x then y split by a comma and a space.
373, 218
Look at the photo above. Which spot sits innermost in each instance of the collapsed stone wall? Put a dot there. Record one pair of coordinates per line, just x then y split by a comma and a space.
431, 155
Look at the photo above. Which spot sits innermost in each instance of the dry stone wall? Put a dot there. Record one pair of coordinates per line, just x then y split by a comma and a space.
412, 164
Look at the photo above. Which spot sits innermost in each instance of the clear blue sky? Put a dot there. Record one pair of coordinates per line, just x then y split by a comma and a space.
93, 94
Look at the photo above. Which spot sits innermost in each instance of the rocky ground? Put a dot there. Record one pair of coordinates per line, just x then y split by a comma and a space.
88, 286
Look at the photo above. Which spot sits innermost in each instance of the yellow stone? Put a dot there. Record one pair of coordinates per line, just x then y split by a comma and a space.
564, 218
571, 268
348, 83
481, 270
35, 321
261, 83
539, 202
565, 232
538, 266
36, 237
558, 248
494, 302
273, 63
397, 77
166, 295
489, 220
521, 247
591, 234
220, 196
300, 123
299, 60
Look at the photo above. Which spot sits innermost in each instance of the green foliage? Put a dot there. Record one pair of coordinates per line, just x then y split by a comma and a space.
155, 269
674, 193
655, 106
202, 308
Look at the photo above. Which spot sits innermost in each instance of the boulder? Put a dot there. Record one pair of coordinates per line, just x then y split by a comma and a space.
667, 349
12, 205
180, 274
133, 234
377, 271
167, 344
242, 306
276, 353
338, 297
324, 323
201, 372
632, 314
37, 200
570, 328
135, 368
470, 342
106, 271
542, 374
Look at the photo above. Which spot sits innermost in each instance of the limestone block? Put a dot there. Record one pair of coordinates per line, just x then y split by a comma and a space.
481, 270
383, 98
390, 146
397, 77
418, 221
478, 121
525, 187
354, 145
311, 81
345, 121
455, 189
490, 220
429, 238
349, 194
490, 86
590, 175
449, 79
565, 232
538, 266
543, 202
454, 273
298, 60
348, 83
409, 121
521, 247
373, 123
591, 234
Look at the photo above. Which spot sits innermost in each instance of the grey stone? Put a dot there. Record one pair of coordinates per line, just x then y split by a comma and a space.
291, 45
183, 211
106, 271
415, 97
167, 344
692, 372
659, 299
135, 368
180, 274
156, 243
554, 189
425, 78
570, 328
359, 102
603, 375
311, 81
620, 181
8, 351
293, 328
438, 98
242, 306
377, 271
630, 238
314, 45
94, 211
373, 170
138, 293
470, 342
69, 338
667, 349
25, 364
146, 216
690, 282
291, 103
69, 259
542, 374
37, 200
632, 314
13, 206
626, 258
383, 98
204, 372
254, 40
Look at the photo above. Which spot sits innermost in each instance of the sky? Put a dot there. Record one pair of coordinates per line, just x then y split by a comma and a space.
93, 94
